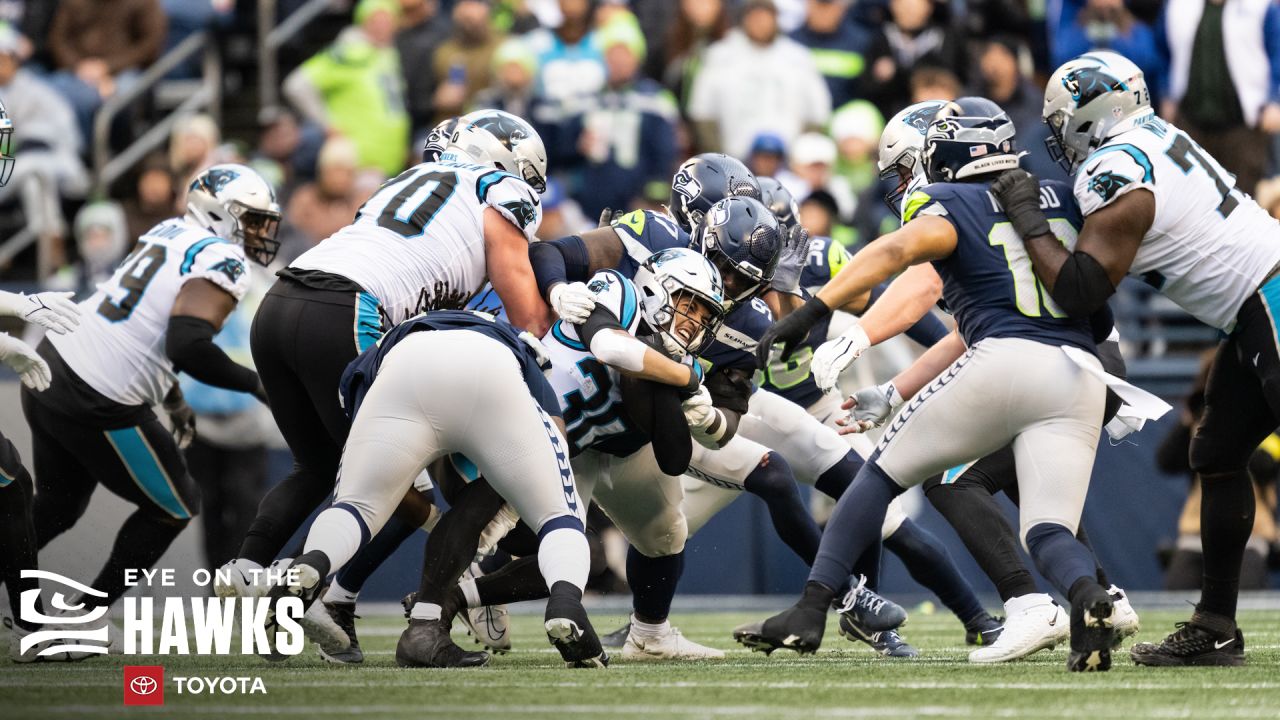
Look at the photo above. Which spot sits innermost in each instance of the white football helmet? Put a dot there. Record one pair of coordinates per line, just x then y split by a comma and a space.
902, 146
502, 140
1089, 99
662, 279
235, 203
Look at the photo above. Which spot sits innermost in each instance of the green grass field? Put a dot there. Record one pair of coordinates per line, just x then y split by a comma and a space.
843, 680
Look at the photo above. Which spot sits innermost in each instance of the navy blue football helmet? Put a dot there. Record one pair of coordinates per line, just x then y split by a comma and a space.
438, 139
783, 206
744, 240
969, 139
704, 180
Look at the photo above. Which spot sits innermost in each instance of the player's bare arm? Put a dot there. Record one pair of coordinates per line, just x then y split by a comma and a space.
507, 260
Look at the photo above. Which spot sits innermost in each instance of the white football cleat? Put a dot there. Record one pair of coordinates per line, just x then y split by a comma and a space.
671, 645
1124, 619
1032, 623
490, 625
234, 580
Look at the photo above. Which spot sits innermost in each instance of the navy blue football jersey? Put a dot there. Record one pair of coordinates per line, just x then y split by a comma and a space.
643, 233
361, 372
988, 284
735, 343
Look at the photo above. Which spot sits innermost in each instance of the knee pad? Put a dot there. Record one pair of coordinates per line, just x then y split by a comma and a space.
771, 477
664, 535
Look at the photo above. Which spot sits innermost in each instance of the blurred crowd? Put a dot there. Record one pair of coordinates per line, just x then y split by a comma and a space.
620, 90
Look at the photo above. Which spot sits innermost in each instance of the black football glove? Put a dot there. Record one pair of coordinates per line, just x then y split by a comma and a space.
1019, 194
607, 216
182, 418
791, 331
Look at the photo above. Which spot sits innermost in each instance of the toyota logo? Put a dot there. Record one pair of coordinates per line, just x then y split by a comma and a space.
143, 685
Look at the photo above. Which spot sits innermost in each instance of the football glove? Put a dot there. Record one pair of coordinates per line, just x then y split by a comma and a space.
573, 302
869, 408
786, 278
32, 368
1019, 194
833, 356
608, 216
790, 331
53, 311
182, 419
706, 424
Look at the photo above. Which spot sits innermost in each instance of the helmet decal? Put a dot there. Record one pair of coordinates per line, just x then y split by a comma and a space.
685, 184
214, 179
920, 118
1088, 83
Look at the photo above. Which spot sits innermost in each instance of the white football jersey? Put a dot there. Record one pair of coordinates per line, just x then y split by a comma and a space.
1210, 245
588, 389
119, 347
418, 243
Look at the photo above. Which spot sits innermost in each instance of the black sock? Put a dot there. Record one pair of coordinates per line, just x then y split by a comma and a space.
451, 546
1100, 573
867, 566
142, 539
1059, 556
653, 583
835, 480
1227, 508
854, 525
517, 581
929, 564
369, 558
773, 482
317, 560
17, 539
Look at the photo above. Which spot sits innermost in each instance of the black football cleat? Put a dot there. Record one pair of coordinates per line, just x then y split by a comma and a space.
984, 631
796, 628
617, 638
344, 616
570, 631
1207, 640
1092, 635
426, 643
407, 602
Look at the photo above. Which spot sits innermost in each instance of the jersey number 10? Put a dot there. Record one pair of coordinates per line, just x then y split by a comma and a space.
1029, 294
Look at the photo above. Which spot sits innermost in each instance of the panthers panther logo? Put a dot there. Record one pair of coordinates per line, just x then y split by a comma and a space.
522, 211
1108, 184
230, 267
214, 180
920, 119
1087, 84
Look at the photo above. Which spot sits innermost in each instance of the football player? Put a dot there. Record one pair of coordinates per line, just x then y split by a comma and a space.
1022, 356
427, 239
156, 316
1157, 206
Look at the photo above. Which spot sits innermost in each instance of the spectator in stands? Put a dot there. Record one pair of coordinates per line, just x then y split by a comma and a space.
768, 155
856, 129
193, 146
698, 24
355, 88
812, 164
462, 66
188, 17
48, 141
933, 83
102, 239
756, 79
154, 199
99, 47
32, 19
422, 29
287, 150
321, 208
838, 45
1001, 78
915, 36
570, 65
626, 139
1079, 26
818, 214
514, 69
1224, 79
561, 216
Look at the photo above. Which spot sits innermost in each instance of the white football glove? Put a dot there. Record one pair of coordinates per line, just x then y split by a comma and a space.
869, 408
573, 302
52, 310
706, 424
32, 368
834, 355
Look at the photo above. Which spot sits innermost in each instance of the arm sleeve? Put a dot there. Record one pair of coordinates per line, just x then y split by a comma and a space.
189, 344
559, 261
220, 262
513, 199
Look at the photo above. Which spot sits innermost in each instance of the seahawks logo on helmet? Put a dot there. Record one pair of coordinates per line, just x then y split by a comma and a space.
232, 268
1108, 184
1086, 84
214, 180
685, 184
522, 211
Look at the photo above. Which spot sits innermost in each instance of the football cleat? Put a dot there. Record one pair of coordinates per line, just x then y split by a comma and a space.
317, 625
617, 638
868, 613
984, 631
407, 602
1207, 639
671, 645
570, 631
33, 653
489, 625
426, 643
234, 580
1092, 635
796, 628
343, 614
1123, 617
887, 643
1035, 622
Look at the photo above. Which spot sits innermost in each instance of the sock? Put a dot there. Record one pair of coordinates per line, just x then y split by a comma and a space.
653, 583
773, 482
357, 571
452, 544
1227, 507
496, 561
425, 611
338, 532
316, 560
143, 538
836, 479
1059, 556
520, 580
563, 554
283, 510
470, 593
929, 564
649, 630
854, 525
1099, 572
339, 594
867, 566
17, 537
